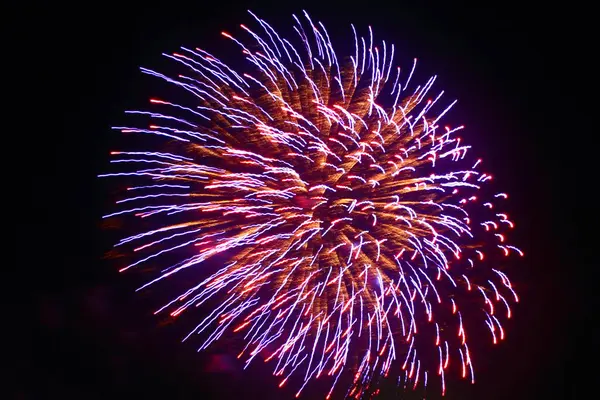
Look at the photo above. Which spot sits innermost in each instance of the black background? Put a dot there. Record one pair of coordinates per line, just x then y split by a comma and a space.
517, 71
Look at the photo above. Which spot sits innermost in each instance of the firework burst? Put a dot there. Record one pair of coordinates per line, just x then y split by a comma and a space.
356, 231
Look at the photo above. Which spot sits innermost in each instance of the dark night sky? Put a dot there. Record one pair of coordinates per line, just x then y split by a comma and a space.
89, 335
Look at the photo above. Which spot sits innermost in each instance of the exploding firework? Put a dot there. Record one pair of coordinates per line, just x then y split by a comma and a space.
356, 234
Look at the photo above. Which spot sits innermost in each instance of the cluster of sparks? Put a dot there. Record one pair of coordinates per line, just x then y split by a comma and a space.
352, 231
